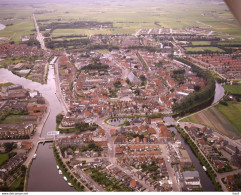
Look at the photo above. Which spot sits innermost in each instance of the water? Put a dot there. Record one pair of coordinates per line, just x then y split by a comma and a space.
43, 174
205, 180
219, 93
2, 26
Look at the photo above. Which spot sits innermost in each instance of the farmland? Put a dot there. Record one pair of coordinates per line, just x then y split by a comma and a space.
224, 119
127, 16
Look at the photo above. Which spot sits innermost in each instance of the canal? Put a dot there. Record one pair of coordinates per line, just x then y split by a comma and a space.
43, 174
2, 26
205, 180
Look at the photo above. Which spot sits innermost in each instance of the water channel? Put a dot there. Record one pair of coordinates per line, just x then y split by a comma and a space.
2, 26
43, 173
205, 180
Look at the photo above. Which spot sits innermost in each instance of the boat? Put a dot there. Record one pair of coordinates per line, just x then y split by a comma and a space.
65, 178
34, 156
70, 184
60, 172
204, 168
57, 167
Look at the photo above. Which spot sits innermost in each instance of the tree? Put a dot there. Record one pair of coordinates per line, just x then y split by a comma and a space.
197, 88
128, 81
126, 123
9, 146
117, 84
59, 118
142, 77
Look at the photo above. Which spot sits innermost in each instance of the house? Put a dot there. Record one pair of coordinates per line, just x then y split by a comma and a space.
151, 131
156, 120
230, 149
15, 130
113, 132
133, 183
191, 179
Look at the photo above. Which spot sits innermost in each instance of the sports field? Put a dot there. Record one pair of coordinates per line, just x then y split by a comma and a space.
224, 119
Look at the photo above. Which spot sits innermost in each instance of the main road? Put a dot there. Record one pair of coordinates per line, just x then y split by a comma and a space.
39, 37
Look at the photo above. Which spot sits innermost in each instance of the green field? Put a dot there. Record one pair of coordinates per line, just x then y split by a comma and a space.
224, 119
14, 119
3, 158
201, 42
5, 85
232, 112
17, 185
230, 43
201, 49
233, 89
127, 16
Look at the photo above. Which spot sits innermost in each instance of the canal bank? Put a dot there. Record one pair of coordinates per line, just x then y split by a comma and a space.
43, 175
204, 178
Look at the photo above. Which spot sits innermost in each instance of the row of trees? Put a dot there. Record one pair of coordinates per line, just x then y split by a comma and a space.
77, 185
210, 172
199, 97
74, 43
73, 25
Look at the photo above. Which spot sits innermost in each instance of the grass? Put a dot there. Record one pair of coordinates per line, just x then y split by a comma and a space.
16, 184
200, 49
233, 89
201, 42
232, 112
5, 85
19, 119
230, 43
14, 60
103, 51
18, 28
224, 119
127, 16
3, 158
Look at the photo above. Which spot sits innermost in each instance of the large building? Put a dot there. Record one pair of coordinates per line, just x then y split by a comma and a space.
15, 130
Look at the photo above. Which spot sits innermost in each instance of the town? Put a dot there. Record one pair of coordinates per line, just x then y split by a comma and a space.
119, 99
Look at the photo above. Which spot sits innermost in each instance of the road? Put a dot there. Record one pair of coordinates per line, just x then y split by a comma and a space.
110, 141
39, 37
125, 71
58, 90
219, 175
90, 181
71, 172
